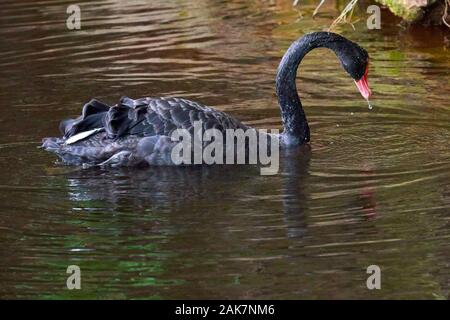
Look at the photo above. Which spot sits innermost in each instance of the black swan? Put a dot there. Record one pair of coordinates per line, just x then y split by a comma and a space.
136, 132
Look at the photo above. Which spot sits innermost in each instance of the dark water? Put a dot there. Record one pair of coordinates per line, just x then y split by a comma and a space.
374, 189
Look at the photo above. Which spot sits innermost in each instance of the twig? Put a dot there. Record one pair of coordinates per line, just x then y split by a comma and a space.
444, 17
343, 14
318, 7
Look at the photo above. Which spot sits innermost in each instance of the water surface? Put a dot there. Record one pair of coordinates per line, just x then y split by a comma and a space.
373, 189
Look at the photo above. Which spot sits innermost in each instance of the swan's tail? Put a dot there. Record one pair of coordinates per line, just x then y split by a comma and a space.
100, 123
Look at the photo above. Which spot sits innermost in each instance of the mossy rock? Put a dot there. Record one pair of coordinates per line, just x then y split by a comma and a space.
409, 10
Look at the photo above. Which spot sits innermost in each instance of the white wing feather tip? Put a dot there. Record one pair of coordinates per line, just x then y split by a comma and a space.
82, 135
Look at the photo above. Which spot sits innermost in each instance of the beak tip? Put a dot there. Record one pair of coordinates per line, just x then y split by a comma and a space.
363, 87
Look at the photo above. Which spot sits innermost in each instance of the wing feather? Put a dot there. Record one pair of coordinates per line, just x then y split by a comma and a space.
146, 117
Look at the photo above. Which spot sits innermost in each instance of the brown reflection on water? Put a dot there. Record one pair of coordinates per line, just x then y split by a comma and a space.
373, 189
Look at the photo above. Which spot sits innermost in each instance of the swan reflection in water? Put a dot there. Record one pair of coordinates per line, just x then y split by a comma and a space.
203, 189
215, 192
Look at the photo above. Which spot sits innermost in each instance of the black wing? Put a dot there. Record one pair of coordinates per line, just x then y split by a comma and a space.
147, 117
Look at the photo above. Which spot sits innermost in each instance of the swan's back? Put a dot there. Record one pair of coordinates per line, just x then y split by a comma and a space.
132, 131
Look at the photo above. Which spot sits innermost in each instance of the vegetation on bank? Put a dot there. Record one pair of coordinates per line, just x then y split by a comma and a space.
430, 12
433, 12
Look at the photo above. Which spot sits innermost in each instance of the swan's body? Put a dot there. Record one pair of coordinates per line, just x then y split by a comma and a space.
135, 132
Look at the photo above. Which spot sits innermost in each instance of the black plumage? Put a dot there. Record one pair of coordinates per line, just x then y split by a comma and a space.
124, 125
139, 131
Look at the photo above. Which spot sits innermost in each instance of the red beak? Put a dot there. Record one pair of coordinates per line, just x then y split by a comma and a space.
363, 85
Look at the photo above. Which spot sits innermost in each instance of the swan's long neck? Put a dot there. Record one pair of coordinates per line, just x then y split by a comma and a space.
296, 129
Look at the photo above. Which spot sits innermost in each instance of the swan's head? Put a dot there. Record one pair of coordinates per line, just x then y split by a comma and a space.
355, 61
